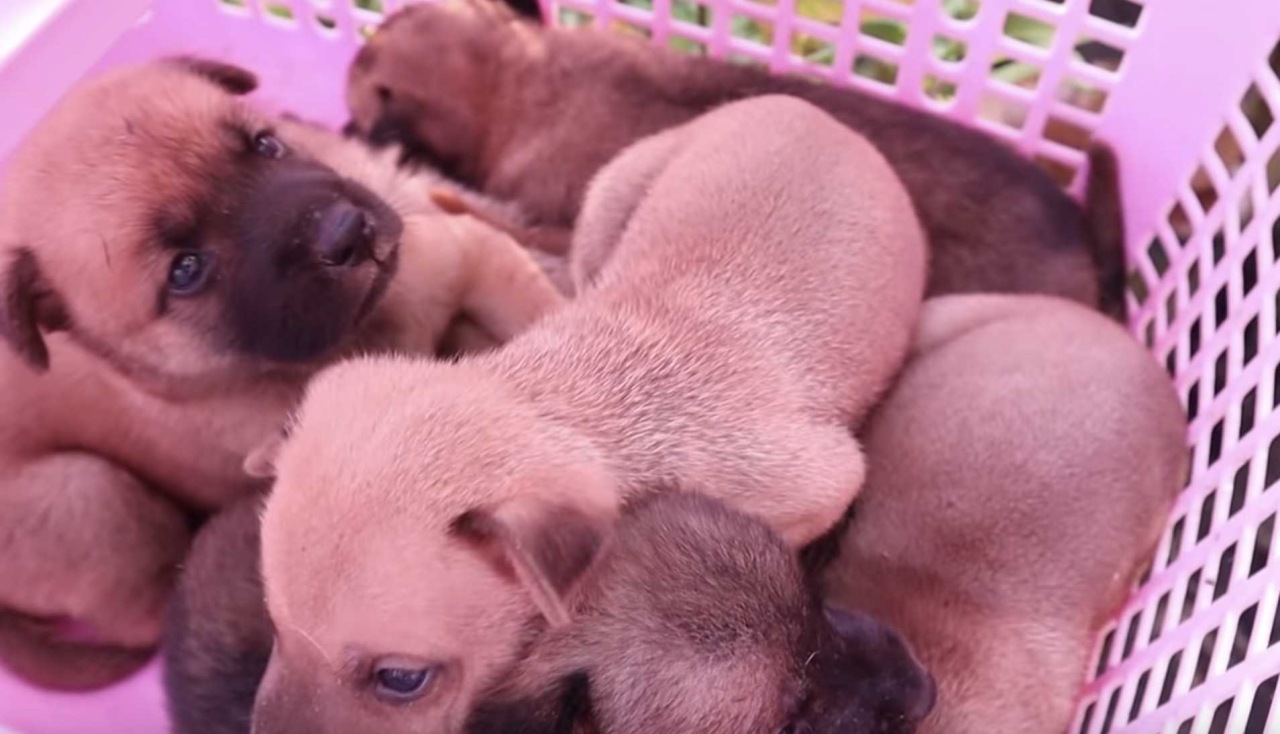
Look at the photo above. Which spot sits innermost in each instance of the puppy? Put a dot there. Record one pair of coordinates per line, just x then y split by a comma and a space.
1019, 476
695, 618
217, 633
762, 296
689, 607
531, 114
174, 266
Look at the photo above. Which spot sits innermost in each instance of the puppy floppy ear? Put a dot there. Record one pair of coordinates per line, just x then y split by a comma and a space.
29, 304
544, 545
261, 462
230, 77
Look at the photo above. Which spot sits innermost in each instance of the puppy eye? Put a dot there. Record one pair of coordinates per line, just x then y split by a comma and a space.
401, 685
384, 94
267, 145
189, 273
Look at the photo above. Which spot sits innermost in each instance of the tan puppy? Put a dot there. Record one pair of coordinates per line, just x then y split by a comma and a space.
173, 267
689, 609
1019, 475
757, 304
531, 114
696, 618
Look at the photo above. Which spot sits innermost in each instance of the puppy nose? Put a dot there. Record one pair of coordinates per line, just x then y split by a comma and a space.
927, 699
345, 235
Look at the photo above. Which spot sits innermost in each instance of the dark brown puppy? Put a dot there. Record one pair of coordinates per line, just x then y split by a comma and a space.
1019, 476
217, 632
695, 618
530, 115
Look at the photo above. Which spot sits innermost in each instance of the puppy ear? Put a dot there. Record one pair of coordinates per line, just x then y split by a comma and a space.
261, 462
230, 77
545, 546
29, 304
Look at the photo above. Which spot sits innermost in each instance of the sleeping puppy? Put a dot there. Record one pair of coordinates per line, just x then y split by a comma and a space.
1019, 476
217, 633
531, 114
695, 618
687, 609
761, 298
174, 266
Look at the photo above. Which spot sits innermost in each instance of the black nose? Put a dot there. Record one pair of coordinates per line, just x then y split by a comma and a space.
926, 700
345, 235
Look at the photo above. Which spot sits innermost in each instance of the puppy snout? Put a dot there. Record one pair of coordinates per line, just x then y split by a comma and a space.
345, 235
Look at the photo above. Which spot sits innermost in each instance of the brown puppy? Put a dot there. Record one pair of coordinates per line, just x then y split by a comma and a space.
217, 633
531, 114
1019, 475
695, 618
173, 267
748, 316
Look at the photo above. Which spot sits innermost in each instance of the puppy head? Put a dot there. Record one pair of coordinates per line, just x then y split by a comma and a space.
694, 619
425, 81
416, 537
173, 230
865, 680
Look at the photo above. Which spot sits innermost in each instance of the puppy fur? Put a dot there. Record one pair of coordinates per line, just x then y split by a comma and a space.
747, 317
1019, 476
134, 389
531, 114
695, 618
217, 632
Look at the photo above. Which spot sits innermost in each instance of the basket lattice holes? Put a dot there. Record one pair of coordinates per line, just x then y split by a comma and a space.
1015, 91
1198, 648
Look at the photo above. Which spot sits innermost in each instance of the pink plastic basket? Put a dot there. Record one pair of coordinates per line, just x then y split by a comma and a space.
1187, 91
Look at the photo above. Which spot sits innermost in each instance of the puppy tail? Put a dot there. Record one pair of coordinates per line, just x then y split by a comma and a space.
1104, 219
32, 650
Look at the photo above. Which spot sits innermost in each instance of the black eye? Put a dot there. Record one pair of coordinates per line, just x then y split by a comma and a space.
188, 273
267, 145
403, 684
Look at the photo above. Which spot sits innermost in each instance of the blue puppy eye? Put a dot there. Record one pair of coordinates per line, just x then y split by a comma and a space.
268, 145
403, 684
189, 273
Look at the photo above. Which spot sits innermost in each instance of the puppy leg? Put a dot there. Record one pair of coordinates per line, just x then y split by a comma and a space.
549, 240
504, 291
553, 261
84, 540
612, 198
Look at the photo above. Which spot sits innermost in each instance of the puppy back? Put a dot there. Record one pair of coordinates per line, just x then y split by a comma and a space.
218, 635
